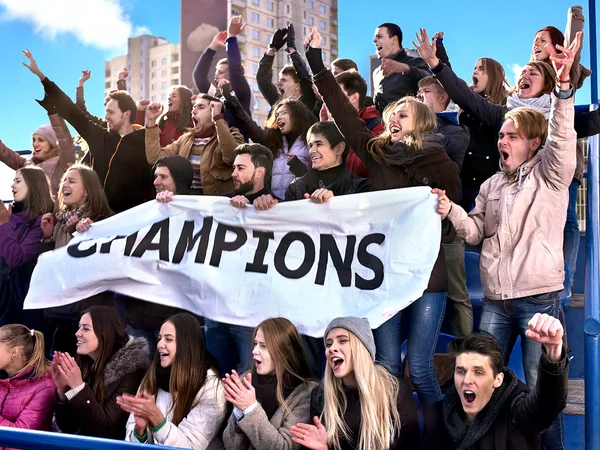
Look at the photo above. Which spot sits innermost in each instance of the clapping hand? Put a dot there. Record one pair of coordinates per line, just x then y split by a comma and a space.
310, 436
239, 392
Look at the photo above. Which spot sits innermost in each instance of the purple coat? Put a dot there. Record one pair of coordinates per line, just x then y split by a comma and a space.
16, 254
27, 402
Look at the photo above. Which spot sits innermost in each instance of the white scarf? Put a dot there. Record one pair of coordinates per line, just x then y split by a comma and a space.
541, 104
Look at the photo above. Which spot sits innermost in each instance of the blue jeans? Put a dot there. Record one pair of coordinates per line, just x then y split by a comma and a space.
229, 344
571, 245
507, 319
427, 314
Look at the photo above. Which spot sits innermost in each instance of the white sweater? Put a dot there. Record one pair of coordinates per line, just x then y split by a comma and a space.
199, 429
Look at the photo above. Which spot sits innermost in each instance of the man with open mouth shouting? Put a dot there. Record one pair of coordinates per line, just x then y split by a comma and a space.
489, 408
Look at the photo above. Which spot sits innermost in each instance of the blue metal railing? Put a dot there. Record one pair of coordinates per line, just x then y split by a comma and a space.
591, 326
35, 440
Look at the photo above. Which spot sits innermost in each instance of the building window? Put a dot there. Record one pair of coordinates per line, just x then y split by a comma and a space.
163, 73
254, 68
322, 25
153, 75
255, 17
305, 33
153, 63
153, 86
324, 40
255, 51
255, 35
256, 2
107, 74
311, 4
269, 36
270, 22
153, 98
322, 9
174, 57
163, 97
311, 21
174, 82
324, 55
304, 14
163, 61
175, 70
257, 105
270, 6
163, 85
288, 8
107, 85
255, 86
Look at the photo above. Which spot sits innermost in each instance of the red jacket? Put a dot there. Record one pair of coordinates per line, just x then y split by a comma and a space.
27, 402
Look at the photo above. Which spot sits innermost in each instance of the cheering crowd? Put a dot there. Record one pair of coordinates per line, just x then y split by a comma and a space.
506, 175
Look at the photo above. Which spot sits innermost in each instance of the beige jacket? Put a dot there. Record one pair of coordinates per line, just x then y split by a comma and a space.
256, 432
54, 167
216, 163
522, 223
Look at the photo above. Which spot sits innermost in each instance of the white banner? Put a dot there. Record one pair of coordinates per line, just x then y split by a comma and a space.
367, 255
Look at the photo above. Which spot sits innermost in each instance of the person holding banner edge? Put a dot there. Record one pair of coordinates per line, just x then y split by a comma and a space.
407, 154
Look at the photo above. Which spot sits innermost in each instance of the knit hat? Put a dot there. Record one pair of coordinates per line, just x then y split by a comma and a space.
360, 327
48, 133
181, 170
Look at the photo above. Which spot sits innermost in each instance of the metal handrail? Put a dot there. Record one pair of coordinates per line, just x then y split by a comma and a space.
591, 326
35, 440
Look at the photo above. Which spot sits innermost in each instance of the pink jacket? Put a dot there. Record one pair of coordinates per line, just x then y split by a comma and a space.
521, 223
54, 167
27, 402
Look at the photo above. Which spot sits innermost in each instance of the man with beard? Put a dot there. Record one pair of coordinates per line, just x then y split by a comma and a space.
117, 153
252, 166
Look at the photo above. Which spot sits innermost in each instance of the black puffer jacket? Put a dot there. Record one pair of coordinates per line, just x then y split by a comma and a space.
344, 183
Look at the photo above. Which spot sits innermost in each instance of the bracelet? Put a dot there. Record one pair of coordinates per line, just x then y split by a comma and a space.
159, 426
141, 438
558, 80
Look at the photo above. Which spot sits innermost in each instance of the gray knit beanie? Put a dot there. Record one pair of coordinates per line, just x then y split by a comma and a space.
360, 327
47, 133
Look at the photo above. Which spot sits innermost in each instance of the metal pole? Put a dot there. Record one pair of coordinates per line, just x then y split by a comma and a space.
593, 51
591, 326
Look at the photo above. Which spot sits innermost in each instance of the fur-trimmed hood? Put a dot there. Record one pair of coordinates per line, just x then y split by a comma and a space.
131, 358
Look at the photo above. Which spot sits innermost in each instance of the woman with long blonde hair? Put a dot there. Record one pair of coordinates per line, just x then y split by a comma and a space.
27, 389
359, 405
408, 153
276, 393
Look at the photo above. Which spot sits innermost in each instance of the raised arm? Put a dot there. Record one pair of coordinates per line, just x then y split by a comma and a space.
228, 138
200, 74
64, 105
441, 48
152, 136
79, 97
247, 125
66, 147
489, 113
11, 158
342, 112
237, 77
264, 76
306, 85
575, 23
559, 152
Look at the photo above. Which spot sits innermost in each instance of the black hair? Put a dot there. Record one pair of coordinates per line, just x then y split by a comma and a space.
393, 30
484, 344
260, 156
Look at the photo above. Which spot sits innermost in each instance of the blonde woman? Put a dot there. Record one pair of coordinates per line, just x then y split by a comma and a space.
359, 405
275, 395
27, 392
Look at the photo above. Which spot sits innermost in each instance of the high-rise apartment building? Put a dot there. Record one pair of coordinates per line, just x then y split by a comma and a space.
154, 66
200, 20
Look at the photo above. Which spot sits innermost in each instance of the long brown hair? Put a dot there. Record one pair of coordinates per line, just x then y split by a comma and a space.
112, 337
424, 121
189, 369
97, 207
39, 194
185, 109
284, 345
32, 345
556, 38
302, 119
497, 88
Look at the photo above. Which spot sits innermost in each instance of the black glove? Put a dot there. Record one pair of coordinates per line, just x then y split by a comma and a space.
291, 36
278, 39
47, 104
226, 91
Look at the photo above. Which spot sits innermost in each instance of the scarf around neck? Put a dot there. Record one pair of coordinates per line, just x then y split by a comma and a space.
163, 377
541, 104
66, 213
266, 390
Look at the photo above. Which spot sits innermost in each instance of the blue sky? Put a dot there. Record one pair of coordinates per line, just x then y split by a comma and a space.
88, 32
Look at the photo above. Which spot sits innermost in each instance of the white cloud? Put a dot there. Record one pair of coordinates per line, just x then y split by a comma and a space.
100, 23
516, 73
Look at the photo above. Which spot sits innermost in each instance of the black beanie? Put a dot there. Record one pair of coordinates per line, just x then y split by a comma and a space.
181, 170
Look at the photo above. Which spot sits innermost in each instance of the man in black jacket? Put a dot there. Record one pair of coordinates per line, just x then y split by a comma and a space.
489, 408
399, 73
252, 167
